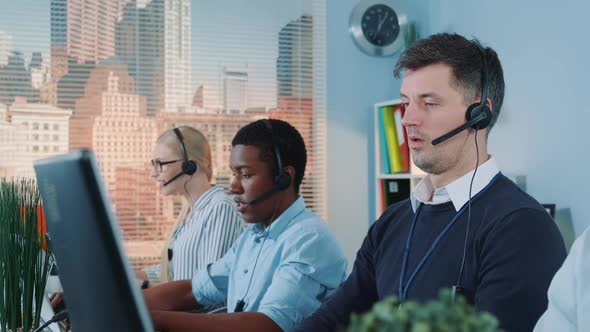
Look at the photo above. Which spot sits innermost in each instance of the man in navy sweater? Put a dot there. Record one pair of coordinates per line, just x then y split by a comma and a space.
465, 226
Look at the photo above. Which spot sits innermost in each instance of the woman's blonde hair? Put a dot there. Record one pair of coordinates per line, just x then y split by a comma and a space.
196, 145
198, 150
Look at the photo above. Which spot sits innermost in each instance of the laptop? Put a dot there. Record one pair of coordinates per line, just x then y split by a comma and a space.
99, 285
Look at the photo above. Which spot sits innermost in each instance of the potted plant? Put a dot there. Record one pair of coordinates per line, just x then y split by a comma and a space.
25, 259
441, 315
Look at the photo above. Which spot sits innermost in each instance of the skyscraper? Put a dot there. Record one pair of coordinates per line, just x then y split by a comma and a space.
295, 59
295, 102
139, 43
235, 83
15, 79
177, 55
153, 38
83, 30
5, 47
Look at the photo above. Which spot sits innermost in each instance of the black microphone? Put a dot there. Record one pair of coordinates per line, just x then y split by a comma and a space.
174, 178
264, 196
459, 129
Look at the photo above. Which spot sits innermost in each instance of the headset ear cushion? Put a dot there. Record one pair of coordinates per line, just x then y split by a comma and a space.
474, 110
189, 167
282, 181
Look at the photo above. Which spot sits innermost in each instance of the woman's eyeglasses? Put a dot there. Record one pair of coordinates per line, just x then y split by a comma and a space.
157, 164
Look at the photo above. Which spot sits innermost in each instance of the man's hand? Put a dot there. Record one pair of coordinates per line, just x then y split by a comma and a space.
172, 296
57, 301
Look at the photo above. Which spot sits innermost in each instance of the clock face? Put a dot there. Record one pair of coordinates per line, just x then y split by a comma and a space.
380, 25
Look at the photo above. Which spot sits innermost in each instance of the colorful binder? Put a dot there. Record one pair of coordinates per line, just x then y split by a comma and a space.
395, 161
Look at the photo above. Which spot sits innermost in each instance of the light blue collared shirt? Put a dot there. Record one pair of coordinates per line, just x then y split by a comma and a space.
300, 265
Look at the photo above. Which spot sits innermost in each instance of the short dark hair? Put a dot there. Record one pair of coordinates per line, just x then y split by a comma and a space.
284, 136
465, 59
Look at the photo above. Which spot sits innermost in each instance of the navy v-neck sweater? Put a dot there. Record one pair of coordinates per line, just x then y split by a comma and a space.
513, 251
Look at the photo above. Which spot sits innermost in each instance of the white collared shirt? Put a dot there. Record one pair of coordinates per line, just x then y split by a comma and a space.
456, 191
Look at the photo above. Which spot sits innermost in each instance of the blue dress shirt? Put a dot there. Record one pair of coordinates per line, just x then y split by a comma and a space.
284, 271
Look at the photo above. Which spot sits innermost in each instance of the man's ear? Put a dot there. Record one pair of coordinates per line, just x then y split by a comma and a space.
291, 171
489, 104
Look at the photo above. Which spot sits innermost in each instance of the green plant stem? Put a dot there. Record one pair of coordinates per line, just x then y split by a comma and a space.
24, 267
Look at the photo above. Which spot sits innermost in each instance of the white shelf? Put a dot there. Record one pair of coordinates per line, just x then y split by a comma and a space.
399, 176
388, 103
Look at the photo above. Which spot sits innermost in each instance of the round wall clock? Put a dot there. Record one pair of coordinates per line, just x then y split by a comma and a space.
376, 26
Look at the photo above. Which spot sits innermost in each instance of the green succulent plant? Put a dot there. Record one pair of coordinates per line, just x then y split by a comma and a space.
440, 315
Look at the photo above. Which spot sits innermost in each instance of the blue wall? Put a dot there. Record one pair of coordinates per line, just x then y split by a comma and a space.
355, 82
540, 133
540, 130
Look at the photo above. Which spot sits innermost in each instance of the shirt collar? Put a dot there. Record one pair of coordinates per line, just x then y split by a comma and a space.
283, 221
456, 191
206, 197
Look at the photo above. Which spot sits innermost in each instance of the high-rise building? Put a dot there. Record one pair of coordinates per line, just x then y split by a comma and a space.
5, 47
111, 119
82, 30
235, 84
96, 102
42, 131
295, 103
154, 39
295, 59
70, 87
139, 43
15, 79
177, 55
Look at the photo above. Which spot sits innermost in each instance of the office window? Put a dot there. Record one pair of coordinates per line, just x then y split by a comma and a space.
147, 66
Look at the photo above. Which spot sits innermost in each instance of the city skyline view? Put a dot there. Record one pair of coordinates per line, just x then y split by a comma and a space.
111, 75
241, 35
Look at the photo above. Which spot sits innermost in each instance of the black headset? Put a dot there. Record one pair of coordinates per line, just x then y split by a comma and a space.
481, 116
189, 167
475, 111
283, 179
478, 115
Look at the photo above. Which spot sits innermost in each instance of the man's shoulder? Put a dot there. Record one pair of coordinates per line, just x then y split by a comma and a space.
505, 198
396, 211
308, 223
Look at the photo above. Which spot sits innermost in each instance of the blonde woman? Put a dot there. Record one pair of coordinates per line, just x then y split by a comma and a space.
208, 225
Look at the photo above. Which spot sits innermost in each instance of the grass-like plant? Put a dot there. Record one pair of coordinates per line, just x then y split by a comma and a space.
24, 256
440, 315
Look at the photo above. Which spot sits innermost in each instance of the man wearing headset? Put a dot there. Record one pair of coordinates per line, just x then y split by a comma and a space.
282, 267
466, 226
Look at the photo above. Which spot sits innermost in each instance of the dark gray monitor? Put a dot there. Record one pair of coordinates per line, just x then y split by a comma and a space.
100, 290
